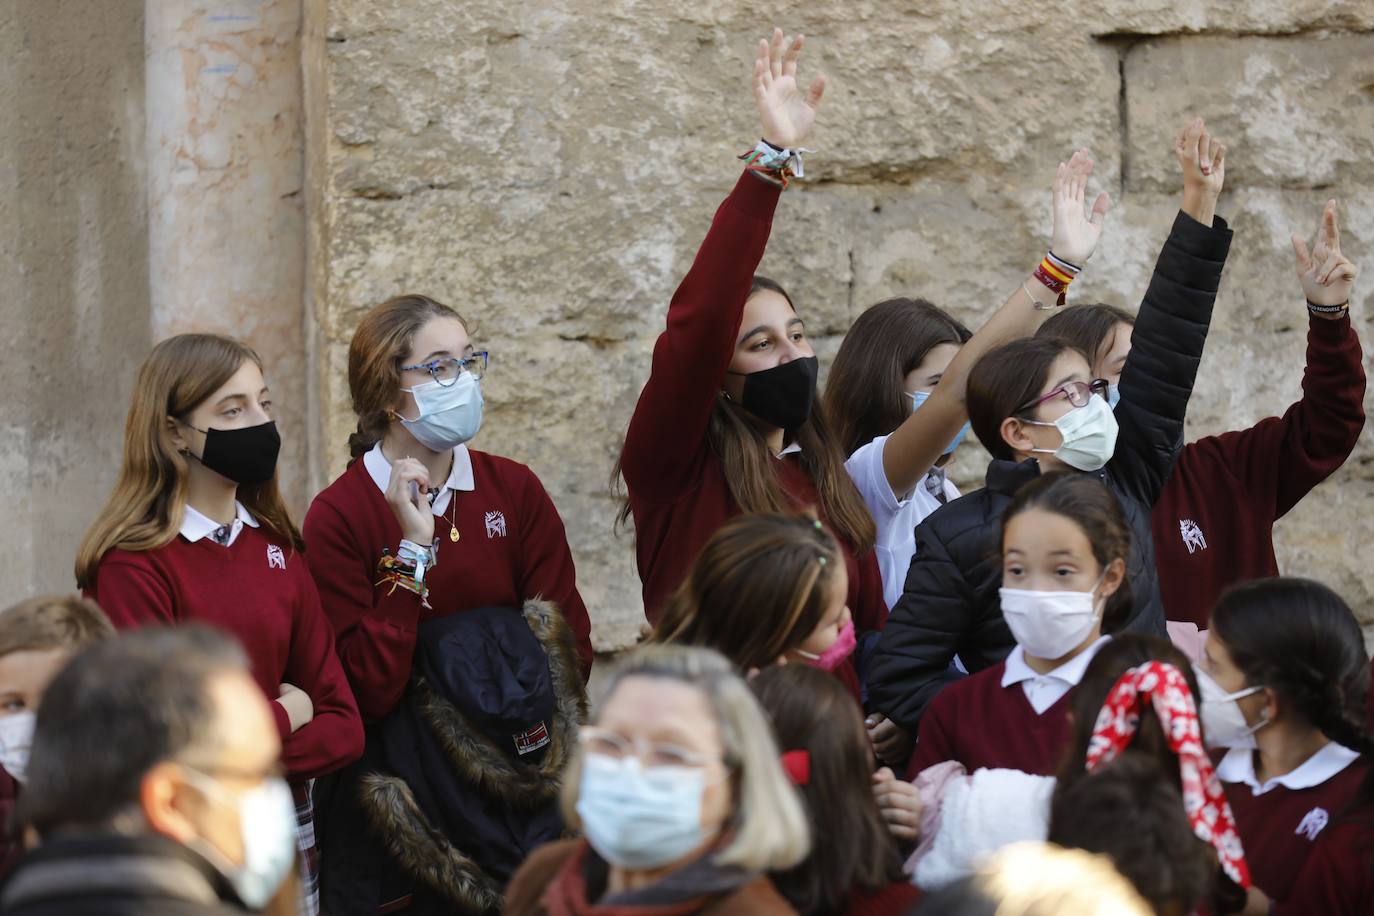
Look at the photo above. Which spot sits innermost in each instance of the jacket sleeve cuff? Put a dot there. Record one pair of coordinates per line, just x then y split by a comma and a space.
1211, 243
754, 196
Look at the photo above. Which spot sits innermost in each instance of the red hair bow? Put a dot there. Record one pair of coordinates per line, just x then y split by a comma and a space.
1203, 798
798, 766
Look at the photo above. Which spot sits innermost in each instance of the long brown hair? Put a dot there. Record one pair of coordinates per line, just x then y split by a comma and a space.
865, 395
379, 348
748, 464
145, 510
813, 712
1087, 327
756, 590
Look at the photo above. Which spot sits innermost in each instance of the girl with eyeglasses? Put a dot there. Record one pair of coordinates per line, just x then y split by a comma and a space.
420, 526
1035, 406
196, 530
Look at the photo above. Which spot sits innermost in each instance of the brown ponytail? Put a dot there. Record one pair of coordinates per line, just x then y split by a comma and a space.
375, 356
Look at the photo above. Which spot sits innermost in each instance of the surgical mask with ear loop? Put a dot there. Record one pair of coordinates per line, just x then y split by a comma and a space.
1089, 434
1050, 625
1223, 722
267, 824
449, 414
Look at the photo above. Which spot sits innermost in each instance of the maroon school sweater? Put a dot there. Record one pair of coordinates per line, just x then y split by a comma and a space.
525, 556
1213, 523
1338, 878
259, 591
893, 900
980, 723
677, 489
1280, 828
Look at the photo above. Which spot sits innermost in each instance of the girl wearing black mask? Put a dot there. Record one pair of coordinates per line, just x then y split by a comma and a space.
728, 421
196, 530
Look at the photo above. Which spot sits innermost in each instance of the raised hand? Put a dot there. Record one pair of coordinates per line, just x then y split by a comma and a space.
1202, 158
1076, 232
1326, 275
786, 116
405, 494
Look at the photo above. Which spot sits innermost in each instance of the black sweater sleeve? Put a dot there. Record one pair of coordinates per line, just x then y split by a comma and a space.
1166, 348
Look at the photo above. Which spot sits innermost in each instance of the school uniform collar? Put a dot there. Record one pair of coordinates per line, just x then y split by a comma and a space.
1071, 672
460, 478
197, 525
1239, 766
793, 448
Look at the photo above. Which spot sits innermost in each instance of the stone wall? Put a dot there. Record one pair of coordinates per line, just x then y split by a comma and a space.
550, 168
74, 269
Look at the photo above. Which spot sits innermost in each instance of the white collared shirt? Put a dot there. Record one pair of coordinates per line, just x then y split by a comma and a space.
1239, 766
896, 517
792, 449
460, 478
1044, 690
196, 525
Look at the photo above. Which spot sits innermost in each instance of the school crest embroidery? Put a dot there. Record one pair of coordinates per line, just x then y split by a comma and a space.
1313, 823
1192, 535
496, 525
275, 558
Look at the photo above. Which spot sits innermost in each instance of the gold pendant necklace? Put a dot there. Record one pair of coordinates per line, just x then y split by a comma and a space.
453, 520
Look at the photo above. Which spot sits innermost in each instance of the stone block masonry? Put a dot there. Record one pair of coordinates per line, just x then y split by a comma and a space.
549, 169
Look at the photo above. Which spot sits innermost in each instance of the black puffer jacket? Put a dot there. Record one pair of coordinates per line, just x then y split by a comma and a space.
949, 604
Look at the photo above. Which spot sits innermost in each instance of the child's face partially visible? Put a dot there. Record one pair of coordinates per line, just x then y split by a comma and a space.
24, 675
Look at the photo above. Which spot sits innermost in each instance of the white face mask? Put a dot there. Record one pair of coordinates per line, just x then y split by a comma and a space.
1223, 723
640, 817
449, 414
1089, 434
267, 822
1049, 625
16, 739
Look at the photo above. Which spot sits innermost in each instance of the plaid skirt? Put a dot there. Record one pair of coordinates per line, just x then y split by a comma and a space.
305, 842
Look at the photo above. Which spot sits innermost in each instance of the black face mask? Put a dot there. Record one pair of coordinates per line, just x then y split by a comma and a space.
782, 396
245, 456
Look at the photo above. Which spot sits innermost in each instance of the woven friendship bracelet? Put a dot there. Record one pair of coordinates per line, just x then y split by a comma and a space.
1055, 273
780, 165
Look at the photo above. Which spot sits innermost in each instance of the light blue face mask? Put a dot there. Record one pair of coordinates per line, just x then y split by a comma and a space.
920, 397
1113, 395
449, 414
640, 817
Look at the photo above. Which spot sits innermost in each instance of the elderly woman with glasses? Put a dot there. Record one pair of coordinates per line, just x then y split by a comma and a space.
1034, 405
420, 527
681, 797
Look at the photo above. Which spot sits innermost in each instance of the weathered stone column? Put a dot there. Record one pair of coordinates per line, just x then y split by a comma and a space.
226, 235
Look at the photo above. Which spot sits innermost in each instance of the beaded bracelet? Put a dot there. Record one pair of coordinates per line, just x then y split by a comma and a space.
1314, 309
780, 165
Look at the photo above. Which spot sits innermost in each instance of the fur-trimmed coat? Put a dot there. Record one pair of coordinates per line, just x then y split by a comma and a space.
436, 812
